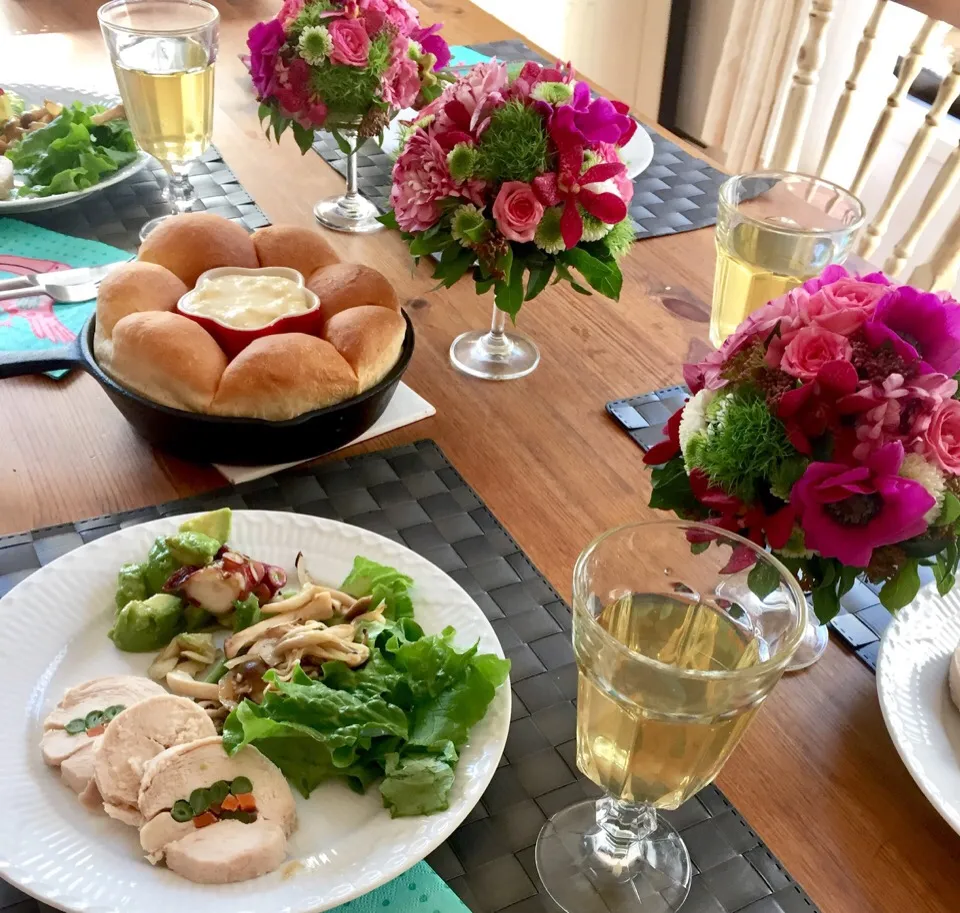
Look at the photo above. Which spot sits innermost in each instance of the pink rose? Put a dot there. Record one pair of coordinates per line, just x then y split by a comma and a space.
351, 44
942, 437
811, 348
517, 211
843, 306
401, 82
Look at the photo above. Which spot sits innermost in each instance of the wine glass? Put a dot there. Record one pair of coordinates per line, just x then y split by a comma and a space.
163, 54
670, 675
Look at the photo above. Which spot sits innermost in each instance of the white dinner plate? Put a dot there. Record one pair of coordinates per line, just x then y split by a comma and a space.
55, 627
637, 154
912, 683
35, 95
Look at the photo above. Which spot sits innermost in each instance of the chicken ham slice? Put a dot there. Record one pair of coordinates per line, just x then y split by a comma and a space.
98, 694
228, 850
137, 735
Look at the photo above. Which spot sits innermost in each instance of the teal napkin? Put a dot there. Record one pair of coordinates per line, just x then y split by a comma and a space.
31, 324
419, 890
465, 57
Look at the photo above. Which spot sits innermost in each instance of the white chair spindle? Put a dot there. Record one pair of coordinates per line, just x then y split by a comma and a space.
930, 30
864, 47
944, 182
799, 104
916, 154
940, 271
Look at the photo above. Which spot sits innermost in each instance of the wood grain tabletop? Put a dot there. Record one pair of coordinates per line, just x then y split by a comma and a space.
816, 776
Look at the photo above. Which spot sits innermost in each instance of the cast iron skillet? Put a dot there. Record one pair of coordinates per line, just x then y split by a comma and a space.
218, 439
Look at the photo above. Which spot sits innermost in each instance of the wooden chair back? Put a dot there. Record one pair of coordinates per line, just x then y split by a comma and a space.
940, 270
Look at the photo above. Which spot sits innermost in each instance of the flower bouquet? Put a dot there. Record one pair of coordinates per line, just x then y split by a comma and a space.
827, 428
514, 175
344, 66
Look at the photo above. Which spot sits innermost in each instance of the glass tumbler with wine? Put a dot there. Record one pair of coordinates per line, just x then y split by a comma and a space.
163, 54
671, 672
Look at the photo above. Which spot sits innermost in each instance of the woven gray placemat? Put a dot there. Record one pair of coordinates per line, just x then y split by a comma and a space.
676, 192
115, 214
414, 496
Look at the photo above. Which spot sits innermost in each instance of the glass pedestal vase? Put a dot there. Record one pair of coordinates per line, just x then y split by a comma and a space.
495, 354
351, 211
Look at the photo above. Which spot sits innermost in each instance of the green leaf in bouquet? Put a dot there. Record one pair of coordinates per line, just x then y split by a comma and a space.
454, 262
422, 244
604, 277
484, 285
698, 548
902, 588
944, 571
505, 265
926, 546
950, 512
389, 220
263, 112
563, 274
826, 603
509, 295
763, 579
303, 136
848, 577
671, 487
538, 277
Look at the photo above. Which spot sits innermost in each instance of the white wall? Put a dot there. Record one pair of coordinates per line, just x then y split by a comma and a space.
620, 44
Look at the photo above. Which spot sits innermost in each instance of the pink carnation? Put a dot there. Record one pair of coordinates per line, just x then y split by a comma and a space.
351, 43
400, 14
421, 178
401, 82
466, 105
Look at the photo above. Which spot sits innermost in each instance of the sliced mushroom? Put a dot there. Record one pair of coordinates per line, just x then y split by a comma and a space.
244, 680
198, 648
114, 113
358, 608
318, 608
334, 643
308, 594
185, 686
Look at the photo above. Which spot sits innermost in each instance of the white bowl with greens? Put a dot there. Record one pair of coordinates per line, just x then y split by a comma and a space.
70, 158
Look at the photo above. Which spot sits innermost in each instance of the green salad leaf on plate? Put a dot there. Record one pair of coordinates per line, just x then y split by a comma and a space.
402, 718
72, 152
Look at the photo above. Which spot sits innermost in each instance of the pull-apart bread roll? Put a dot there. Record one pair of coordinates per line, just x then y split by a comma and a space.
280, 377
349, 285
369, 338
134, 287
297, 248
190, 244
167, 358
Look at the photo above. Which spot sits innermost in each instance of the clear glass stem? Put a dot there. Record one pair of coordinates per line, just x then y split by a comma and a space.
181, 192
496, 342
621, 828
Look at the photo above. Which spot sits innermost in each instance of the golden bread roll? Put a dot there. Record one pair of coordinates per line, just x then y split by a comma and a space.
369, 338
298, 248
190, 244
166, 357
280, 377
348, 285
134, 287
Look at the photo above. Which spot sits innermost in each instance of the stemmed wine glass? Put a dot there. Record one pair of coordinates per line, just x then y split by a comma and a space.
163, 53
670, 675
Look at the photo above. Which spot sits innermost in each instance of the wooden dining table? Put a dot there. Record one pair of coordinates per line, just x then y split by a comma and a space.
816, 776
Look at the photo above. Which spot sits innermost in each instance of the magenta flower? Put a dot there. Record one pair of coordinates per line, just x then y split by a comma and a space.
432, 43
592, 121
846, 513
919, 325
264, 41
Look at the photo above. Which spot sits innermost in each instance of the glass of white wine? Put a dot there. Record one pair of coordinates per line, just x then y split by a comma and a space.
775, 229
671, 672
163, 53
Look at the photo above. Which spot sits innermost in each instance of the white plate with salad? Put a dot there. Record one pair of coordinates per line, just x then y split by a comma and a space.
59, 145
309, 657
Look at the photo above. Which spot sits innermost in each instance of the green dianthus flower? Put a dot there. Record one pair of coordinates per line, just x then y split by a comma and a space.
620, 237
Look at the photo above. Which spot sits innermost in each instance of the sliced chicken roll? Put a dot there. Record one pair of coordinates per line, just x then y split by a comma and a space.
215, 819
74, 730
133, 738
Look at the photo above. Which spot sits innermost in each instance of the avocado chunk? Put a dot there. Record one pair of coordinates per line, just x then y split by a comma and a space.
192, 548
215, 524
131, 584
160, 564
147, 624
